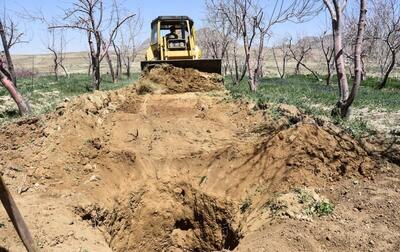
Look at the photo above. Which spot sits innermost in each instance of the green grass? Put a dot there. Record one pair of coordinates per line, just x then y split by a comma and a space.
374, 81
310, 204
75, 85
305, 92
44, 93
323, 208
313, 206
318, 99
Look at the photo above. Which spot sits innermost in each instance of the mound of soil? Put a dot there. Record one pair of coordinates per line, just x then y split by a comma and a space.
118, 171
172, 80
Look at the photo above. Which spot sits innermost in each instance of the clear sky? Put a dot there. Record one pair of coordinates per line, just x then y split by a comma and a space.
37, 34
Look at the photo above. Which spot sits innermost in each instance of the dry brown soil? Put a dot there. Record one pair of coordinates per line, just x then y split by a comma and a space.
177, 170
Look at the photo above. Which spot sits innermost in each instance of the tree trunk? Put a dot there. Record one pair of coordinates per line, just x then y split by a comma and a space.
23, 105
118, 71
65, 70
329, 76
297, 69
363, 72
128, 67
300, 63
109, 62
95, 58
328, 54
96, 74
10, 65
236, 65
16, 217
385, 78
284, 66
90, 61
339, 62
252, 82
236, 76
277, 64
258, 73
345, 112
55, 67
119, 66
110, 66
315, 74
56, 71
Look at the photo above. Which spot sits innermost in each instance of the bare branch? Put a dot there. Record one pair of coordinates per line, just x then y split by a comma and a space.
88, 16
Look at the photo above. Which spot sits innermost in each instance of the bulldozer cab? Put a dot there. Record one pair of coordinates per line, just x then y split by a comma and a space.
172, 37
175, 33
173, 41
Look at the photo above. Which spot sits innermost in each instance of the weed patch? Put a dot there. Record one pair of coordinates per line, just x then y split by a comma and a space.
299, 204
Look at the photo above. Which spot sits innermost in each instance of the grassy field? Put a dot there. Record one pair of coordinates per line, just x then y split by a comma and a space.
318, 99
372, 106
44, 93
305, 92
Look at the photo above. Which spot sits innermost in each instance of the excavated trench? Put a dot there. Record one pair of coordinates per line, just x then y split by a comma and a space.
181, 169
183, 219
192, 163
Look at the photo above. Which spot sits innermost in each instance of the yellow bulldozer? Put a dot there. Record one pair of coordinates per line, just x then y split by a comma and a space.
173, 41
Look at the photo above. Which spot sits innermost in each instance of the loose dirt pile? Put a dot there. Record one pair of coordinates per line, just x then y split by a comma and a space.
190, 172
168, 79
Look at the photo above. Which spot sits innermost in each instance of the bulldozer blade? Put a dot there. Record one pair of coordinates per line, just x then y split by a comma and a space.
203, 65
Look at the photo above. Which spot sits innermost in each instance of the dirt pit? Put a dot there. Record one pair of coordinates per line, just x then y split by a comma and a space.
176, 217
192, 171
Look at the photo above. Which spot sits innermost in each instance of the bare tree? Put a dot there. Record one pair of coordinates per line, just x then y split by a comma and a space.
284, 51
117, 51
247, 18
128, 46
109, 61
327, 50
216, 39
219, 41
7, 77
88, 58
252, 24
10, 36
58, 52
299, 53
350, 27
336, 9
385, 20
88, 16
235, 63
